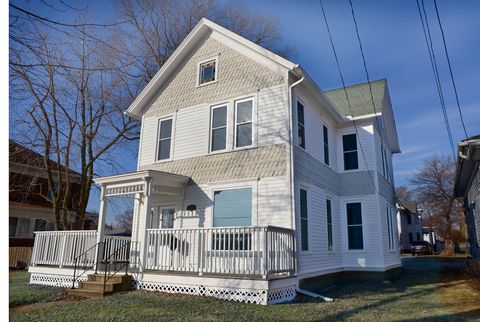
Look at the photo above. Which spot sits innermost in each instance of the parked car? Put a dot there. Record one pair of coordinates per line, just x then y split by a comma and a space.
421, 248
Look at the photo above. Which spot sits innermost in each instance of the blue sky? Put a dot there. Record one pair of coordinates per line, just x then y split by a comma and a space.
395, 49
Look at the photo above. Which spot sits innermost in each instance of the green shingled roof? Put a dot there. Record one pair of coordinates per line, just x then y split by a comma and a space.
359, 96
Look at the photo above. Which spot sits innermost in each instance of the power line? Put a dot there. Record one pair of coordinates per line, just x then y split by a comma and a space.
31, 14
366, 70
345, 90
450, 68
433, 62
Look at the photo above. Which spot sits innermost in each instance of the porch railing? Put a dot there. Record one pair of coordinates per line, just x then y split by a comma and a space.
61, 248
261, 251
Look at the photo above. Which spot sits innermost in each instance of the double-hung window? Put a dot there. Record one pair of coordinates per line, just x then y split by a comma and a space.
164, 139
300, 125
329, 225
350, 153
354, 225
219, 128
326, 156
303, 219
244, 123
391, 245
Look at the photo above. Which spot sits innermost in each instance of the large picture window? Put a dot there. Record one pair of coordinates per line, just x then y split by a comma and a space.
164, 139
350, 153
303, 219
219, 128
232, 207
243, 123
354, 225
301, 125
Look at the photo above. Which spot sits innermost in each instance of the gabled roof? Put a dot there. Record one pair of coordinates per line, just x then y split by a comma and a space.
203, 27
27, 158
409, 205
359, 97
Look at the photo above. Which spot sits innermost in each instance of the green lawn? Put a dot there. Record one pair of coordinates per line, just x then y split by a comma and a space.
425, 290
21, 293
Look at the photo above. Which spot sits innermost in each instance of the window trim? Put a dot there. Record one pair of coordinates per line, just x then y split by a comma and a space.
347, 249
157, 145
227, 132
253, 122
343, 152
298, 100
199, 64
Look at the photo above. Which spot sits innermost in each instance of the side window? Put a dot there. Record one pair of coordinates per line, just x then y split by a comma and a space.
350, 153
303, 219
329, 225
326, 156
164, 139
219, 128
243, 123
354, 225
300, 125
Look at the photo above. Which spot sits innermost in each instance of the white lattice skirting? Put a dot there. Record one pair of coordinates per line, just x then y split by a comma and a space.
54, 280
255, 296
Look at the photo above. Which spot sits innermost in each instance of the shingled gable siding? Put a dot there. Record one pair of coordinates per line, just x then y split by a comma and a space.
237, 75
269, 161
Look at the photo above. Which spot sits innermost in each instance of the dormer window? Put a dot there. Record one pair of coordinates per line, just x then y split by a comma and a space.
207, 72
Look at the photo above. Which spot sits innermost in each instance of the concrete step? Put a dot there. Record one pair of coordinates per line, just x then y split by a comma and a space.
87, 293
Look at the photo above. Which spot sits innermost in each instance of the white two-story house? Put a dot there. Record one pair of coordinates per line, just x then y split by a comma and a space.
250, 178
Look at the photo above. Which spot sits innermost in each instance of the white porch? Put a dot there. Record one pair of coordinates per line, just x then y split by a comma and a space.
225, 258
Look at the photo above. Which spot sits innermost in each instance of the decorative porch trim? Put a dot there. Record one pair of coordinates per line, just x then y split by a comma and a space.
54, 280
125, 190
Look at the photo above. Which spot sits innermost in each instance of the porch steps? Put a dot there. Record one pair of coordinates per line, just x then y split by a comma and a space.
93, 286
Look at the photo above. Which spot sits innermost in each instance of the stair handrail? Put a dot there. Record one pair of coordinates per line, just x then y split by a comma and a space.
85, 268
107, 261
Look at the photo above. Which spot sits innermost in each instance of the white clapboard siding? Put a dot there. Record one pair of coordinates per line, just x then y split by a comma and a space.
273, 203
272, 122
148, 141
192, 132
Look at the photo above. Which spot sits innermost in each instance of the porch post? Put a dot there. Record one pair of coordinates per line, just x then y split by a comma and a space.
101, 226
142, 224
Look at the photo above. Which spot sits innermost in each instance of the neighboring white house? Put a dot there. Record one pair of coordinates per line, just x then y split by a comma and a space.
250, 178
409, 220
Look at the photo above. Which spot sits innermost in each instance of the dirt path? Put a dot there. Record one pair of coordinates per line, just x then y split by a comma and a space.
29, 307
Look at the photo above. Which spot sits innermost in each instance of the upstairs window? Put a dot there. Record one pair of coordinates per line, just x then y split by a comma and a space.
219, 128
326, 157
300, 125
243, 123
164, 139
207, 72
350, 153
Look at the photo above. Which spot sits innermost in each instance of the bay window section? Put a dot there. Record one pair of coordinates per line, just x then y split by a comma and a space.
244, 123
164, 139
350, 152
219, 128
354, 226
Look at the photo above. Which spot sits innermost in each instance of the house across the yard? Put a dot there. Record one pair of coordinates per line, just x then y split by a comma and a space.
467, 186
250, 179
409, 220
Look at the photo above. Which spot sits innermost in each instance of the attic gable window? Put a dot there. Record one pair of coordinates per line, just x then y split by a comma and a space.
207, 72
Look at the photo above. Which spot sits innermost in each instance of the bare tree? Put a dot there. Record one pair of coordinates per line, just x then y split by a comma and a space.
434, 184
73, 99
124, 220
404, 193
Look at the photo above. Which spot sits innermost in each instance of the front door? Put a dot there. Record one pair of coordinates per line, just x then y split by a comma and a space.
168, 214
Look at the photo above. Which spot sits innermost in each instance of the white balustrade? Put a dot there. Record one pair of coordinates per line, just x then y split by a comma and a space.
258, 251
